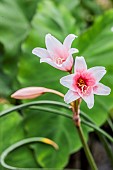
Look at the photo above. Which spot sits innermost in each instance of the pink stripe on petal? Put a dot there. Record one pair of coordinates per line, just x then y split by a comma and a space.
101, 89
71, 96
97, 72
40, 52
68, 41
80, 64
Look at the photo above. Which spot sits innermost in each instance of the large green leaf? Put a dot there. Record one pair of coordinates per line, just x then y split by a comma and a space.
13, 25
15, 17
28, 7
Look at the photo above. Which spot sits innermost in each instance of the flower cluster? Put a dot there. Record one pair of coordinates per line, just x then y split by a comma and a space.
83, 83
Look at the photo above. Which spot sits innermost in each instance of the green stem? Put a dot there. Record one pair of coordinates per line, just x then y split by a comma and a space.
51, 110
92, 125
43, 102
76, 118
36, 105
21, 143
86, 149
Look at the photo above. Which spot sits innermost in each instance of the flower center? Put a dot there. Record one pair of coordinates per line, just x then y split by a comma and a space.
82, 85
59, 60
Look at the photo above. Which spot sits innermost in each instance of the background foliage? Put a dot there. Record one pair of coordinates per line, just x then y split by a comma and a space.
23, 25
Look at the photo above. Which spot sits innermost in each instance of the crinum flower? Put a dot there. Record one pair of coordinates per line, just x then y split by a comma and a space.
57, 54
84, 83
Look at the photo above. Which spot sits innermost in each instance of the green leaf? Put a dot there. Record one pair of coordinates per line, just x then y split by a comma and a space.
14, 26
28, 7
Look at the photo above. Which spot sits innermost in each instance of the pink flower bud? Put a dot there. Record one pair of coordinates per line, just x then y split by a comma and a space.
33, 92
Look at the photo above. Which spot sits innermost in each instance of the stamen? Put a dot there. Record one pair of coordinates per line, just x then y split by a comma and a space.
59, 61
82, 85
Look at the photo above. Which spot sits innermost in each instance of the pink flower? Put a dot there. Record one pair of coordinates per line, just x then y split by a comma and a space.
84, 83
57, 54
33, 92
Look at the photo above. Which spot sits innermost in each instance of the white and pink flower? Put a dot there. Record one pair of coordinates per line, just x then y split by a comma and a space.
57, 54
84, 83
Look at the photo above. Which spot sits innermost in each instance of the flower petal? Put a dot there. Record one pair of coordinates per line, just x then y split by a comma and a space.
67, 65
98, 72
67, 81
89, 99
101, 89
68, 41
71, 96
80, 64
73, 50
53, 44
40, 52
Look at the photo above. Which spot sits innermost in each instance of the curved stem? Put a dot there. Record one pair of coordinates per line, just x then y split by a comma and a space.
88, 123
43, 102
35, 105
92, 125
21, 143
51, 110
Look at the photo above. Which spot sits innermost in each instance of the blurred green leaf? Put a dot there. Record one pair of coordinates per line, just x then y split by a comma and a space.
15, 17
69, 4
14, 26
28, 7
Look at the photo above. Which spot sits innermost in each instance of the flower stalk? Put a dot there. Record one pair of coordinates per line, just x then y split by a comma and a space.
76, 118
76, 111
86, 149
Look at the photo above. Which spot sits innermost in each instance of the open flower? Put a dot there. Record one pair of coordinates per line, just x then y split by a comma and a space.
57, 54
84, 83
